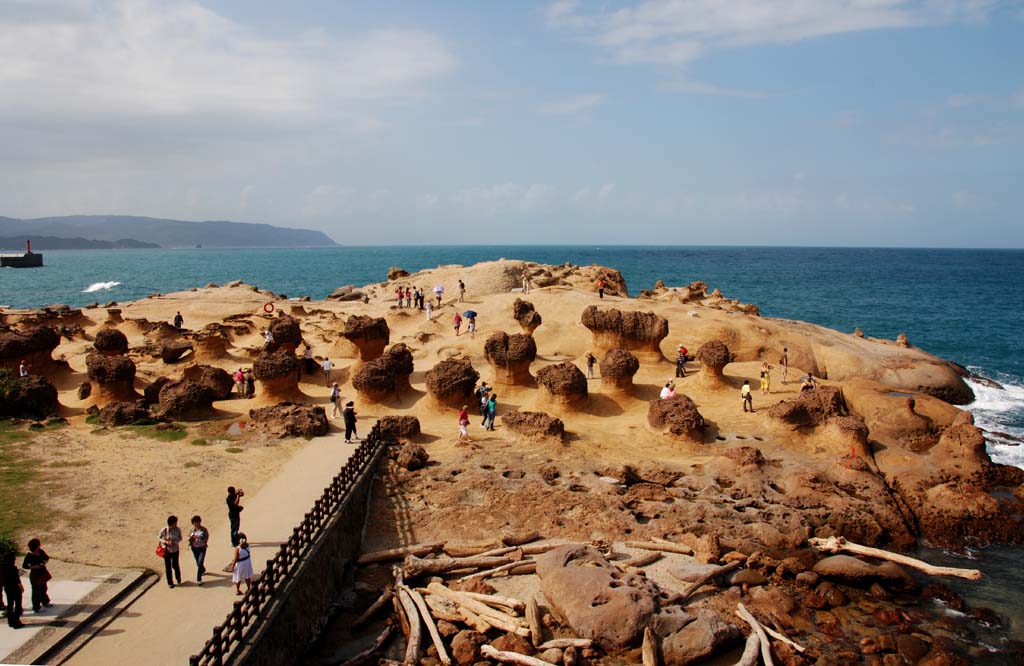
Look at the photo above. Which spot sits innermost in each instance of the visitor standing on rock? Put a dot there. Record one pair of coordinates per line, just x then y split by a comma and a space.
38, 575
464, 424
492, 409
439, 293
526, 280
471, 327
234, 502
178, 321
350, 422
242, 570
457, 322
14, 590
430, 309
747, 397
327, 365
681, 362
591, 360
784, 362
198, 538
766, 378
600, 288
307, 357
400, 292
408, 297
462, 292
170, 539
336, 400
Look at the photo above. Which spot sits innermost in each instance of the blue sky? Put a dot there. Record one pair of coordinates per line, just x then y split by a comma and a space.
796, 122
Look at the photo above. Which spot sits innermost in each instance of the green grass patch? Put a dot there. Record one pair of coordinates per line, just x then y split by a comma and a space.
173, 434
234, 449
94, 419
201, 441
19, 506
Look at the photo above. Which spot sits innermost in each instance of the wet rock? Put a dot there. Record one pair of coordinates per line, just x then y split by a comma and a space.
399, 428
451, 382
412, 456
564, 383
171, 352
677, 415
638, 332
125, 413
290, 420
370, 336
911, 648
617, 369
31, 397
534, 425
510, 357
111, 342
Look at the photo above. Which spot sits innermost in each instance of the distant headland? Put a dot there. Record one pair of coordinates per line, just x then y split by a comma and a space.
127, 231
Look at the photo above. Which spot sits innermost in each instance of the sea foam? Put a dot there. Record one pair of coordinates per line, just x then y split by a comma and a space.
1000, 410
99, 286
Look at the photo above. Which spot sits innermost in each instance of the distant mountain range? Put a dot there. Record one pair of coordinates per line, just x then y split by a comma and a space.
123, 230
40, 243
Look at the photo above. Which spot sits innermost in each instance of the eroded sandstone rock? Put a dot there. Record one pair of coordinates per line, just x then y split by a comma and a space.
384, 378
290, 420
617, 369
677, 415
524, 313
713, 357
111, 342
399, 428
451, 382
369, 335
278, 376
31, 397
34, 346
564, 383
510, 357
534, 425
638, 332
113, 377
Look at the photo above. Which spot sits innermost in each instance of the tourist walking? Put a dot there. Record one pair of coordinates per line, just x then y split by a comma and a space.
350, 422
482, 394
492, 409
336, 401
198, 538
600, 288
242, 570
170, 539
408, 297
307, 357
400, 292
326, 366
471, 327
430, 309
462, 292
681, 362
457, 321
239, 378
38, 575
591, 360
463, 424
784, 363
14, 590
766, 378
178, 321
439, 293
747, 397
234, 502
250, 384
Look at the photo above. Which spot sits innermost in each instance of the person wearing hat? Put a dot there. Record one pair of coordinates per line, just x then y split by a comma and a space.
350, 422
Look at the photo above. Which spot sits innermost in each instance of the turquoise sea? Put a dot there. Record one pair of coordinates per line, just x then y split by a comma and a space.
963, 305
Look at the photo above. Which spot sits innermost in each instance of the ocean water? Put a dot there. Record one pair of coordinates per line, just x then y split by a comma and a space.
963, 305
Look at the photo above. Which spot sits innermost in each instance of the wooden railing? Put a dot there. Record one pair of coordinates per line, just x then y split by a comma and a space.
229, 635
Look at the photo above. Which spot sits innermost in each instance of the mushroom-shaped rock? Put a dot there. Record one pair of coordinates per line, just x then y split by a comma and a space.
210, 344
386, 377
173, 350
370, 336
287, 334
451, 382
397, 428
678, 415
34, 346
278, 375
526, 315
638, 332
534, 425
510, 357
412, 456
114, 377
114, 317
111, 342
185, 399
290, 420
219, 381
152, 392
713, 357
31, 397
617, 369
125, 413
564, 383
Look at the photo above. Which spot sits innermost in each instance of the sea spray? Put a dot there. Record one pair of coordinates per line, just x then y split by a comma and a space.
99, 286
999, 410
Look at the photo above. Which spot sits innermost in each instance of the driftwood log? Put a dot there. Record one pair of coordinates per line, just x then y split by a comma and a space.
443, 609
414, 567
839, 544
511, 657
435, 636
469, 549
714, 573
518, 567
515, 606
384, 598
491, 616
395, 554
563, 643
762, 637
663, 546
534, 622
412, 648
649, 651
640, 560
751, 652
519, 539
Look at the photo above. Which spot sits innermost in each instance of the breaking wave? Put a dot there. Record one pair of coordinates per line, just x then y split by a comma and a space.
1000, 412
99, 286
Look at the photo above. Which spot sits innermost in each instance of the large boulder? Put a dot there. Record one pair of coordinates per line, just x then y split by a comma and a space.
369, 336
524, 313
33, 346
534, 425
384, 378
185, 399
510, 357
811, 408
287, 334
564, 384
451, 382
853, 570
698, 639
594, 598
412, 457
395, 428
111, 342
278, 376
617, 369
396, 273
290, 420
114, 377
677, 415
31, 397
173, 350
346, 293
713, 357
125, 413
638, 332
219, 381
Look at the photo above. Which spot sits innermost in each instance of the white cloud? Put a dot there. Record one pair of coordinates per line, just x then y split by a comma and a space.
574, 105
502, 199
593, 196
698, 88
674, 32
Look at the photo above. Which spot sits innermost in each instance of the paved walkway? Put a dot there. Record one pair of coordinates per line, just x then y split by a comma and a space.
167, 626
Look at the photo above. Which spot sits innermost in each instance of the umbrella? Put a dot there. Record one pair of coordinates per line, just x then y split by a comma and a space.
469, 313
439, 289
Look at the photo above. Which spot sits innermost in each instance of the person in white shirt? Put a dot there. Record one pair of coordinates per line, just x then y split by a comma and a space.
22, 369
668, 391
326, 365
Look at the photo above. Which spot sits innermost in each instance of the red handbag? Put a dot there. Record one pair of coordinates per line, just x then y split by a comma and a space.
161, 550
